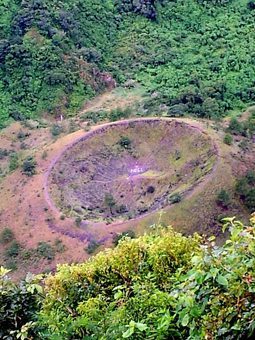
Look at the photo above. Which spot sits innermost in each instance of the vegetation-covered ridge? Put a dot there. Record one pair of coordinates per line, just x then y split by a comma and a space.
159, 286
195, 56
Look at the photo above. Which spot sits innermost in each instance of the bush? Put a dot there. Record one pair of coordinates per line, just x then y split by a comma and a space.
78, 221
28, 166
6, 236
56, 130
125, 142
223, 198
92, 247
160, 286
228, 139
175, 198
45, 250
14, 161
236, 127
245, 188
118, 237
19, 304
13, 250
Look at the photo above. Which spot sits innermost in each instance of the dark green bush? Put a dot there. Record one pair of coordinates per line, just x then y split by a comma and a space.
125, 142
6, 235
228, 139
13, 250
56, 130
29, 166
223, 198
175, 198
45, 250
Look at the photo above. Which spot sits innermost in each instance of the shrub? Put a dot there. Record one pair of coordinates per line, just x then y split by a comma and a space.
223, 198
45, 250
3, 153
250, 176
228, 139
19, 304
245, 188
59, 246
125, 142
28, 166
175, 198
235, 127
6, 236
11, 264
92, 246
56, 130
118, 237
78, 221
13, 250
109, 201
14, 161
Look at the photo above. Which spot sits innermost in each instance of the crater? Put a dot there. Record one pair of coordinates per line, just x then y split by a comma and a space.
126, 169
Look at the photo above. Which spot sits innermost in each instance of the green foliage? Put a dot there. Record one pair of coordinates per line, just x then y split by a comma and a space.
120, 292
45, 250
236, 127
118, 237
125, 142
56, 130
29, 166
13, 249
14, 161
6, 236
175, 198
3, 153
109, 201
223, 198
92, 246
195, 55
19, 304
228, 139
245, 188
159, 286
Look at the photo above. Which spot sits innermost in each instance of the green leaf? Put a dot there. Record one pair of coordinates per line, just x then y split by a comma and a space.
141, 326
185, 320
222, 280
128, 333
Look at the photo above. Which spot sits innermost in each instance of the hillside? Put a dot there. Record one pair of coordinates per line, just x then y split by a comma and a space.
127, 143
196, 55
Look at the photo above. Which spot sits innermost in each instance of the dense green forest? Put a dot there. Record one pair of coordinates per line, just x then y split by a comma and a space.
196, 56
159, 286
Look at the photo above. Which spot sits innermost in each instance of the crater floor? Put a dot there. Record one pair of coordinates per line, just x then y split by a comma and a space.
124, 170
